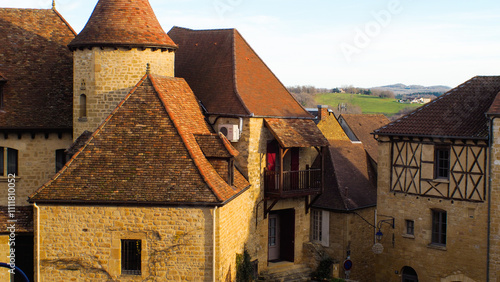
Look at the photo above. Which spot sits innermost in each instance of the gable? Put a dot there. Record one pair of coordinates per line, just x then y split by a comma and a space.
136, 156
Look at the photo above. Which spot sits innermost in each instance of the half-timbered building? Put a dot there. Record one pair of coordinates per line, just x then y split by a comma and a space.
433, 187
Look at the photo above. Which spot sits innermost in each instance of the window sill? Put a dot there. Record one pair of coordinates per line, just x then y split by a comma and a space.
437, 247
6, 179
409, 236
82, 119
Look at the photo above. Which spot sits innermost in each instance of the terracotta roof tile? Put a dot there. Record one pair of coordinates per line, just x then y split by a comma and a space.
214, 146
79, 143
296, 132
460, 113
351, 184
23, 215
362, 126
38, 65
228, 76
123, 23
145, 152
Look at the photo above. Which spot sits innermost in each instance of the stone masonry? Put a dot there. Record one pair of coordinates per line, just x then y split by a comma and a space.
105, 76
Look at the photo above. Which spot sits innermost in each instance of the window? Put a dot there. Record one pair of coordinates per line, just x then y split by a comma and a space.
439, 227
410, 227
8, 161
131, 257
316, 228
320, 227
442, 162
83, 106
60, 159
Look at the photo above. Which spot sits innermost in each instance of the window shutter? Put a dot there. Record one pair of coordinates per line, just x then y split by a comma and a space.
325, 228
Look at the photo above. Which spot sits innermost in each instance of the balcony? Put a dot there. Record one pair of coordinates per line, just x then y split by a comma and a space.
289, 184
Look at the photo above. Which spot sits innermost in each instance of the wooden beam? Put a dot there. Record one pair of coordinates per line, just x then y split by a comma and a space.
267, 210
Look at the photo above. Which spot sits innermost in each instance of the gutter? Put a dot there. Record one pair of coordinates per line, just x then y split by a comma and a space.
37, 242
214, 245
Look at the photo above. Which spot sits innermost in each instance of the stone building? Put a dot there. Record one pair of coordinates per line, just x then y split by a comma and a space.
35, 117
436, 189
343, 217
155, 192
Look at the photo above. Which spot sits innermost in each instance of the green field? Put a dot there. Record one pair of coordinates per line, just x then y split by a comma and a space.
368, 104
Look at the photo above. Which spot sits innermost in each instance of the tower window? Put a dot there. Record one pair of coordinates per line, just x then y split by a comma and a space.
83, 106
61, 159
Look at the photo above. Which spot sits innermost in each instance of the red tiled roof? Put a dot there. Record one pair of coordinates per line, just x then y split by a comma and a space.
214, 145
123, 23
351, 184
228, 76
38, 65
23, 216
296, 132
145, 152
362, 126
460, 113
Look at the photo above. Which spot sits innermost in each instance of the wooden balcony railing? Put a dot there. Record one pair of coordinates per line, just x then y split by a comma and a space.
293, 183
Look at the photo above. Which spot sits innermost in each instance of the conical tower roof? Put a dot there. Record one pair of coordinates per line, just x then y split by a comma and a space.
123, 23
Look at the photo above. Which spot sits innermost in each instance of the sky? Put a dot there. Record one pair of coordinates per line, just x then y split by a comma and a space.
334, 43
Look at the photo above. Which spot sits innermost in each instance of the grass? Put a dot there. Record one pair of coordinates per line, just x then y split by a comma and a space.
368, 104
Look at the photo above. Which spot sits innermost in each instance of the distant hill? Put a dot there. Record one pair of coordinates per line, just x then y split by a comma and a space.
402, 89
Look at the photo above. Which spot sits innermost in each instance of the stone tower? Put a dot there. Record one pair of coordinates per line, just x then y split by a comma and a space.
110, 56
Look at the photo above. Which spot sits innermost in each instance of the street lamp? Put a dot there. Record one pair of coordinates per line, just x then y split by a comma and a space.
379, 233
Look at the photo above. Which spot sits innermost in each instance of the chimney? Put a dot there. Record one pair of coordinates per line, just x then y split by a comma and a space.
322, 112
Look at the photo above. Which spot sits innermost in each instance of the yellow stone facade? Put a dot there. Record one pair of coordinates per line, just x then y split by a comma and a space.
105, 76
82, 243
252, 147
36, 162
466, 234
494, 263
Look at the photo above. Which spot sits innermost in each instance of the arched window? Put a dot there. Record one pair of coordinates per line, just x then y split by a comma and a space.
83, 106
409, 274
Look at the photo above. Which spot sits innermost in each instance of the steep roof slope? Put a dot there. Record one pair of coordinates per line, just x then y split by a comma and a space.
123, 23
146, 151
352, 184
459, 113
362, 126
37, 65
228, 76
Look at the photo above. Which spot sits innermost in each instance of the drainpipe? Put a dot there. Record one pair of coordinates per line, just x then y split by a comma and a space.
214, 245
37, 242
489, 200
241, 127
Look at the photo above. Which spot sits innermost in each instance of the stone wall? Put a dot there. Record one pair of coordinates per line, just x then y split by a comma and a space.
348, 232
106, 76
82, 243
466, 235
494, 263
233, 225
36, 162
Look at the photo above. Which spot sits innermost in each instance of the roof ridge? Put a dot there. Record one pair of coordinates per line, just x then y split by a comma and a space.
67, 165
64, 20
237, 33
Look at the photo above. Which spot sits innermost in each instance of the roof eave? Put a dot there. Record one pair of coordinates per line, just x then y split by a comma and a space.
82, 46
429, 136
